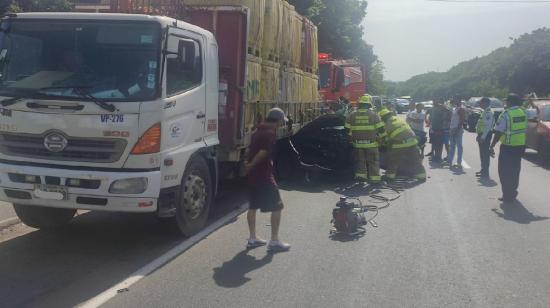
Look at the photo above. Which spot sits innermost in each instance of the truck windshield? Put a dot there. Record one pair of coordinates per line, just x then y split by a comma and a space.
324, 76
112, 61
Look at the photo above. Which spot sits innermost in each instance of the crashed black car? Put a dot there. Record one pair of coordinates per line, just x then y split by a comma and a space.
320, 147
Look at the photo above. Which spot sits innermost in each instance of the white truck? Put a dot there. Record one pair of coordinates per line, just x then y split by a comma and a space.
118, 112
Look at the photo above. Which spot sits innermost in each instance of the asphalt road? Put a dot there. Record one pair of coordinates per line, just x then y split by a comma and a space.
448, 242
64, 269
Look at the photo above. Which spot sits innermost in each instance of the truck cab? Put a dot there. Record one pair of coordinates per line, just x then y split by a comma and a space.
111, 112
340, 78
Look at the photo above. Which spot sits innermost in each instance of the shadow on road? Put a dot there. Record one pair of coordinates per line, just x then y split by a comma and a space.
487, 182
47, 269
457, 171
93, 253
344, 238
350, 188
232, 274
516, 212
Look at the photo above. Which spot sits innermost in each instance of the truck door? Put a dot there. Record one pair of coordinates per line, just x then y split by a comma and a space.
185, 108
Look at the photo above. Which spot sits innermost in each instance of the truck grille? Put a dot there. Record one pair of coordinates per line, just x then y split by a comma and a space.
78, 149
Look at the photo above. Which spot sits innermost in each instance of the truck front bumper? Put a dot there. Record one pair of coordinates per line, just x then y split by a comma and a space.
82, 189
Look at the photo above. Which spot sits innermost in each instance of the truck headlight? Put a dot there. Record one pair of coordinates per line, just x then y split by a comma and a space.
129, 186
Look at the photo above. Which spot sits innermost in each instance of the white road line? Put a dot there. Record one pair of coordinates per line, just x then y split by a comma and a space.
106, 295
465, 165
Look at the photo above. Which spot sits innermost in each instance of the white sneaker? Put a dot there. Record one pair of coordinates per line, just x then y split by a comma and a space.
278, 246
255, 242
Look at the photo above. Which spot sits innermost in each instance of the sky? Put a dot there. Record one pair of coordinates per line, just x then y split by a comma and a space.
413, 37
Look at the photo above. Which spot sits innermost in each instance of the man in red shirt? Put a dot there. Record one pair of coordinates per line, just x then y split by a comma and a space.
264, 193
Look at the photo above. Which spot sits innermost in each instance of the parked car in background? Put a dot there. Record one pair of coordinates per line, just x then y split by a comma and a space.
401, 105
538, 130
474, 111
428, 105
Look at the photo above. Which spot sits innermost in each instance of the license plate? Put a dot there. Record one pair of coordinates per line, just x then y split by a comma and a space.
50, 192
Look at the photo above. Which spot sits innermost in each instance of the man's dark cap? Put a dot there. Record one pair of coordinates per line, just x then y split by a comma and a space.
514, 99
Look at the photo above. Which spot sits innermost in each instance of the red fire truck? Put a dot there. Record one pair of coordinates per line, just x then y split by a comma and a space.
338, 78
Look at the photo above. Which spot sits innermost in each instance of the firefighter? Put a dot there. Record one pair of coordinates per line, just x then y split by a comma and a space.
402, 145
365, 128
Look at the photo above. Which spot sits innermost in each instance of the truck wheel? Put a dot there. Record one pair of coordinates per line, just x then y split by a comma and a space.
195, 198
43, 217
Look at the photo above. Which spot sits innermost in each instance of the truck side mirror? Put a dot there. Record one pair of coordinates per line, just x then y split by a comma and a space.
187, 54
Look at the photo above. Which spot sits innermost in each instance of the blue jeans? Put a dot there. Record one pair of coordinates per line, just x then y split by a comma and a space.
456, 142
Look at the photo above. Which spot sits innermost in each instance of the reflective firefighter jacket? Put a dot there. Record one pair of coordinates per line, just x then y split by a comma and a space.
399, 134
365, 127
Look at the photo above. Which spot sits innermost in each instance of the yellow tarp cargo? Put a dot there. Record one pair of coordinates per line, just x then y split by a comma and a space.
296, 39
291, 84
253, 79
273, 30
315, 52
286, 42
270, 83
257, 15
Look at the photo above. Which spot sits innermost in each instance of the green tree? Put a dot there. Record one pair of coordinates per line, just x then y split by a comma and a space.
523, 67
15, 6
376, 85
339, 26
341, 33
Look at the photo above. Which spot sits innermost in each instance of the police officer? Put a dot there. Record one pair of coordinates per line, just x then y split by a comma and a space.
403, 152
365, 128
510, 132
484, 130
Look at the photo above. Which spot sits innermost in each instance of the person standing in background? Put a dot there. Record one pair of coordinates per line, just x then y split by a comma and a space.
412, 106
484, 130
447, 113
430, 132
510, 131
439, 134
456, 133
416, 120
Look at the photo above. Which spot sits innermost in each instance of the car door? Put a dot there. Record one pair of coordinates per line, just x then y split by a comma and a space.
186, 90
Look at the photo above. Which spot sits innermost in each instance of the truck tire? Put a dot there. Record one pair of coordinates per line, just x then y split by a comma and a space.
47, 218
195, 198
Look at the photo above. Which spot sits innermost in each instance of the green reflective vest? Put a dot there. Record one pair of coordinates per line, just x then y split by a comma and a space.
400, 134
364, 126
516, 126
480, 127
